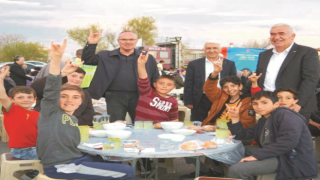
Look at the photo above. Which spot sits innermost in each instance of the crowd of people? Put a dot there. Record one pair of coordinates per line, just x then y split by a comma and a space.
281, 91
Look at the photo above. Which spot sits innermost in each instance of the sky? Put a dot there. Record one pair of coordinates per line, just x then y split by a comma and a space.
196, 21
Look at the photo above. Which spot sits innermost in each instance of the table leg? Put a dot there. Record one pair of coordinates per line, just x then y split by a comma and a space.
157, 168
197, 166
134, 163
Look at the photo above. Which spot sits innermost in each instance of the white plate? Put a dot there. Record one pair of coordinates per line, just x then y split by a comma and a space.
186, 132
173, 137
98, 133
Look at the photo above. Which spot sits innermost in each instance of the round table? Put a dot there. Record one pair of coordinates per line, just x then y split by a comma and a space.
228, 153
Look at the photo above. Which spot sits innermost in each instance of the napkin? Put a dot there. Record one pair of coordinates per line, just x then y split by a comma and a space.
92, 145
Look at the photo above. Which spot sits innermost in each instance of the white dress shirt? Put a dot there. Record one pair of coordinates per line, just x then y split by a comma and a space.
209, 70
273, 68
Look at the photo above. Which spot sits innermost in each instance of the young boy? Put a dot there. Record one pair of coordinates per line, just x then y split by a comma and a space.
285, 144
20, 120
85, 112
155, 105
228, 94
59, 134
288, 97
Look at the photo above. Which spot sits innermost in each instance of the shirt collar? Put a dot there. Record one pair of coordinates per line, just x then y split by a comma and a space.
286, 50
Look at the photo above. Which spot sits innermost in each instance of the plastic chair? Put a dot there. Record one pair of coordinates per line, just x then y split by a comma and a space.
317, 147
9, 165
3, 132
187, 112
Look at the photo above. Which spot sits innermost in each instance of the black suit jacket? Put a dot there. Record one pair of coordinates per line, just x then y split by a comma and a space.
299, 70
18, 75
195, 79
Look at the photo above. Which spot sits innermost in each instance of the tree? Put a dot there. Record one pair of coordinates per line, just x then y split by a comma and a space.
145, 29
10, 38
29, 50
262, 44
80, 35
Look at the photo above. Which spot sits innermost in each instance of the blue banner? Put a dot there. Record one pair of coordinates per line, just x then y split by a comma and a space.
244, 57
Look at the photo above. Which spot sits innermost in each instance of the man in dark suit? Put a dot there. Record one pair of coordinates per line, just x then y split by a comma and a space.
197, 72
17, 72
179, 79
290, 65
116, 76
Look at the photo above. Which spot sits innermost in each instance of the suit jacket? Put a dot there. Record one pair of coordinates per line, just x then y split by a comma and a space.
195, 79
299, 70
18, 75
108, 65
178, 81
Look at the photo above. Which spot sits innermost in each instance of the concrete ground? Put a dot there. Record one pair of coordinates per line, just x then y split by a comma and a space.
181, 167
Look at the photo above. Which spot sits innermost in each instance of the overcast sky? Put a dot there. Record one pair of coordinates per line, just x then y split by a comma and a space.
196, 21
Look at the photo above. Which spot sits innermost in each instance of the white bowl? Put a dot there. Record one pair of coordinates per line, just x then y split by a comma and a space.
119, 134
168, 126
98, 133
186, 132
173, 137
114, 126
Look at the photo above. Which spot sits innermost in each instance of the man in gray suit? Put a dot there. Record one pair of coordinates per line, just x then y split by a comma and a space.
289, 65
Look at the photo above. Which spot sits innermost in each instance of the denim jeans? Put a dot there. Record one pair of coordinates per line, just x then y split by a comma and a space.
24, 153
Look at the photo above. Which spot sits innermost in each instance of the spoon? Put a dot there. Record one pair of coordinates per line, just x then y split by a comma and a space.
140, 148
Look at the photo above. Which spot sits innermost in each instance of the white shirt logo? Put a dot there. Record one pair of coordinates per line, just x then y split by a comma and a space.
161, 105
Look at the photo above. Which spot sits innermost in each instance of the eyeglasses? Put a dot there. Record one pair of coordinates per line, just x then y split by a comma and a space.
130, 40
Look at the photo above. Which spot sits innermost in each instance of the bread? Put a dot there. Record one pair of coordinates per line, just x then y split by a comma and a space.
209, 145
208, 128
193, 128
137, 142
120, 121
157, 126
189, 146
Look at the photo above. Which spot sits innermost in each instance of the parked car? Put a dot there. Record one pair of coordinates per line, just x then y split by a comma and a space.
30, 66
37, 63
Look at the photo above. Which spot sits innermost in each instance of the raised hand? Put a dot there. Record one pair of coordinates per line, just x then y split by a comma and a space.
217, 68
295, 107
218, 65
142, 60
254, 78
57, 50
3, 72
234, 111
94, 37
69, 68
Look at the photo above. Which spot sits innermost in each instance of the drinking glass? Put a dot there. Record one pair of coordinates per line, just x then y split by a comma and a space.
97, 122
108, 145
197, 124
148, 125
117, 142
84, 133
138, 124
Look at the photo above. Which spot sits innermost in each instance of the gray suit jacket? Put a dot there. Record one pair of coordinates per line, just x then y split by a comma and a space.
300, 70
